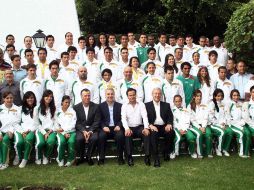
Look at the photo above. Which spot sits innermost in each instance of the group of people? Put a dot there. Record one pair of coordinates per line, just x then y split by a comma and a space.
73, 96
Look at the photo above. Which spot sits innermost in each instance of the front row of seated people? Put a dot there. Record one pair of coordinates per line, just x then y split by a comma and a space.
68, 128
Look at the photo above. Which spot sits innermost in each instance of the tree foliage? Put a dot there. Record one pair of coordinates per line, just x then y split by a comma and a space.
198, 17
239, 36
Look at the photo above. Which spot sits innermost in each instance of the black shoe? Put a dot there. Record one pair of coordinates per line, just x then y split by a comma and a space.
130, 161
166, 157
120, 161
157, 163
80, 161
147, 160
90, 162
101, 162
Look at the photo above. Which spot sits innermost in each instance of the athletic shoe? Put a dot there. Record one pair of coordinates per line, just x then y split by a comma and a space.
210, 156
218, 153
4, 166
23, 163
45, 160
200, 156
60, 163
68, 164
226, 153
172, 156
194, 155
16, 161
38, 162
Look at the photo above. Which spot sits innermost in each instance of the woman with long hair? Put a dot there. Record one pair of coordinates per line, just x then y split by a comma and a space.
137, 73
10, 118
66, 120
102, 44
26, 132
219, 119
90, 42
237, 124
207, 86
199, 124
195, 64
45, 122
170, 60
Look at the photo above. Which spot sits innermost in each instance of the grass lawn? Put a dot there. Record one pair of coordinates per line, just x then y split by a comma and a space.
182, 173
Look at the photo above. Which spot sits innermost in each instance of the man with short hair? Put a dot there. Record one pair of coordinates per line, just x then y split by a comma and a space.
72, 50
135, 123
213, 65
142, 49
231, 68
87, 125
28, 42
189, 48
66, 69
124, 57
132, 43
42, 64
111, 126
68, 42
172, 43
178, 57
81, 54
3, 66
222, 52
162, 48
160, 119
18, 72
151, 40
10, 85
29, 58
9, 52
124, 43
112, 43
51, 51
203, 51
180, 41
32, 83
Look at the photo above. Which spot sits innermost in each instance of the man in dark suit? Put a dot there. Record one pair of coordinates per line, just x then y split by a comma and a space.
111, 126
87, 125
160, 119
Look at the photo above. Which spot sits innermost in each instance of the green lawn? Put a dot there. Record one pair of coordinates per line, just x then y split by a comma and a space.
182, 173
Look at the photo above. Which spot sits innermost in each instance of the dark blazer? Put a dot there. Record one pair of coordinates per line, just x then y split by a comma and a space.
105, 117
165, 112
93, 118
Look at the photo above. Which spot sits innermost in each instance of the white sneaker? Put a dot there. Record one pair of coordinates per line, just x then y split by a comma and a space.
218, 153
1, 165
226, 153
194, 155
45, 160
4, 166
23, 163
200, 156
16, 161
210, 156
38, 162
172, 156
60, 163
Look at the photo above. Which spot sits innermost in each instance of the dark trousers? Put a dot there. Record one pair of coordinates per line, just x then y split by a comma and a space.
80, 144
117, 135
168, 140
137, 133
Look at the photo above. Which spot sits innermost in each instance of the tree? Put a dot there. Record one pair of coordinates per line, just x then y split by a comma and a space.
239, 36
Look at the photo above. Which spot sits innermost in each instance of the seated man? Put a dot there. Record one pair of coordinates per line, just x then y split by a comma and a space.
160, 118
135, 123
88, 121
111, 126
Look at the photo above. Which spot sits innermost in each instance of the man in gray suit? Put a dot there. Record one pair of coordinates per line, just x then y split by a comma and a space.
87, 125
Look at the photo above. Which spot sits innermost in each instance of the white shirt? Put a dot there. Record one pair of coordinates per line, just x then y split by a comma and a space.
222, 55
158, 120
199, 117
66, 120
188, 51
204, 52
52, 54
181, 118
133, 116
93, 70
226, 86
213, 71
162, 51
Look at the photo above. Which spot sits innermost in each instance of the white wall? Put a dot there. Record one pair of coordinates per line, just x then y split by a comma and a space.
25, 17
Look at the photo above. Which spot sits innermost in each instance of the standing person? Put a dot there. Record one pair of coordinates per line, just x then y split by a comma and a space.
237, 124
142, 49
111, 126
218, 118
135, 123
178, 53
190, 48
190, 83
241, 78
132, 43
90, 42
81, 55
32, 83
3, 66
87, 125
170, 61
162, 47
10, 119
203, 50
42, 64
160, 120
112, 43
195, 64
51, 50
65, 123
182, 128
172, 43
206, 85
9, 52
124, 57
137, 73
25, 135
199, 124
171, 87
28, 42
45, 135
10, 85
68, 42
18, 72
150, 82
102, 44
213, 66
231, 68
222, 52
29, 58
151, 40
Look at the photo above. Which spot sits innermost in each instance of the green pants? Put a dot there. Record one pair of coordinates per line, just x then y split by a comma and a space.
23, 144
201, 137
224, 136
61, 146
251, 129
41, 144
5, 145
244, 139
189, 136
